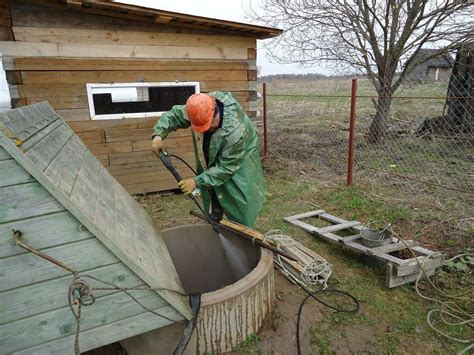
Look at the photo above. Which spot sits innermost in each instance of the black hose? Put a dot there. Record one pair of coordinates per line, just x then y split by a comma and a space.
195, 303
313, 295
185, 162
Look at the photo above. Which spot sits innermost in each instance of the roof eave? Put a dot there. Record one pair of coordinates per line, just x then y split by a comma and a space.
150, 15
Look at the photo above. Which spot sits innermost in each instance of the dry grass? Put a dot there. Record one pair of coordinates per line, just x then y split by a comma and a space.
308, 134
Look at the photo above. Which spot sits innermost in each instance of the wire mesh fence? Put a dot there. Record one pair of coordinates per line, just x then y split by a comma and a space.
424, 148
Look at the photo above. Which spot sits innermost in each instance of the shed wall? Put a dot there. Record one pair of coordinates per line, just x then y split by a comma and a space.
57, 51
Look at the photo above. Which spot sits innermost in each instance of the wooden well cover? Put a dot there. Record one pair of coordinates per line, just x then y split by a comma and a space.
43, 144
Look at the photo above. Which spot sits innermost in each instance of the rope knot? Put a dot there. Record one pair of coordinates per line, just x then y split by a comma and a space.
81, 292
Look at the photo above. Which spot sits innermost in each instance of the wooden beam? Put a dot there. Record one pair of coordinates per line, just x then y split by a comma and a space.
85, 35
58, 63
38, 49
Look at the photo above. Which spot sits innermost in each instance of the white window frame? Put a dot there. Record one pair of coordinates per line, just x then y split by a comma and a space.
114, 116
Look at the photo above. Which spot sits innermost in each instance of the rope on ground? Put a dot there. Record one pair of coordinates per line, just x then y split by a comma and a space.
451, 312
80, 290
311, 270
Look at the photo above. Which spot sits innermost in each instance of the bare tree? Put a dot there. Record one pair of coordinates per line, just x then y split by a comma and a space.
377, 38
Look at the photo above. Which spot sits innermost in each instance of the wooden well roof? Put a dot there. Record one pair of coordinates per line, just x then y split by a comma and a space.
44, 145
145, 14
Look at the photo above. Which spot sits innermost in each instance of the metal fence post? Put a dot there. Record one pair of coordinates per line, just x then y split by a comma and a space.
265, 138
350, 154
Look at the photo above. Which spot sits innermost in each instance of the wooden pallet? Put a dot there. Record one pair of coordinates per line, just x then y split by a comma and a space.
398, 271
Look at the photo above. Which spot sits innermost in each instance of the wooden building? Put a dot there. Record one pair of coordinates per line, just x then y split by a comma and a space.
432, 68
110, 69
65, 204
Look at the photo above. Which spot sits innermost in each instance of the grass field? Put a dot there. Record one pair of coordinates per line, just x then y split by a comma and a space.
432, 176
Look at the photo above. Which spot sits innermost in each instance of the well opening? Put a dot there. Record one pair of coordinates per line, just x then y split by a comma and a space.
206, 262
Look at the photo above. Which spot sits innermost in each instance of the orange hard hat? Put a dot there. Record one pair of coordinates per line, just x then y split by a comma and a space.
200, 111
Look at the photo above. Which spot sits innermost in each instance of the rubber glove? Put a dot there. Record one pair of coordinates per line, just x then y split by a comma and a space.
157, 144
187, 186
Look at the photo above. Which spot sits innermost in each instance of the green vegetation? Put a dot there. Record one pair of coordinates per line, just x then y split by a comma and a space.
249, 346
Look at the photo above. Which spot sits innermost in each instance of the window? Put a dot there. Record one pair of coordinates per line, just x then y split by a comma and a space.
132, 100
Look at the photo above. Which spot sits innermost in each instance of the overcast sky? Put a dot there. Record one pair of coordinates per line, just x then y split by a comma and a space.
232, 10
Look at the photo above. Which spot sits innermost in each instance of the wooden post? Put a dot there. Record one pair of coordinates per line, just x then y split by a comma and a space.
265, 138
350, 155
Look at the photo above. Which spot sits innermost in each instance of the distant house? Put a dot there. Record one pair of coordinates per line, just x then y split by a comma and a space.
434, 69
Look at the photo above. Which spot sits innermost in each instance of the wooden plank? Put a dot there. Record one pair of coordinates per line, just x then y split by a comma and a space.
42, 90
59, 323
312, 229
112, 148
338, 227
25, 201
125, 125
413, 267
149, 187
252, 75
11, 173
84, 191
150, 165
4, 154
106, 334
105, 206
13, 77
92, 50
252, 53
46, 150
333, 219
304, 215
82, 77
103, 159
32, 140
128, 135
74, 114
134, 157
58, 63
224, 85
25, 269
385, 249
61, 103
80, 35
94, 125
42, 232
49, 295
170, 143
350, 239
19, 122
92, 137
392, 281
143, 177
63, 170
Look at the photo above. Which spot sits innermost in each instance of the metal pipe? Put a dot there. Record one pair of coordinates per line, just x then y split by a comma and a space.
350, 155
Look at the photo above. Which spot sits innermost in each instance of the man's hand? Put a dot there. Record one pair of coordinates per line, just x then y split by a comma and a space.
187, 186
157, 144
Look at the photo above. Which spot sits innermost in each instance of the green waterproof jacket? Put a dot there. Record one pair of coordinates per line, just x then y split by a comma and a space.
234, 171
